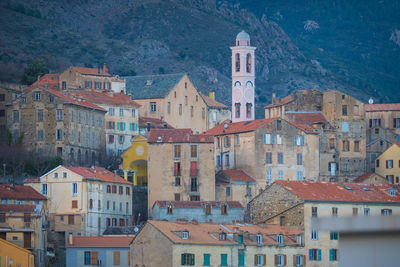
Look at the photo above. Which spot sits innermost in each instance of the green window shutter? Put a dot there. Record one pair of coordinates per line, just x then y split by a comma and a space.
240, 239
310, 254
224, 259
118, 126
191, 259
183, 259
135, 126
206, 260
319, 255
241, 259
130, 126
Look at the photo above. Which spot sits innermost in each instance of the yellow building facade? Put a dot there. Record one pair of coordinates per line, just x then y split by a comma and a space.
388, 164
13, 255
135, 161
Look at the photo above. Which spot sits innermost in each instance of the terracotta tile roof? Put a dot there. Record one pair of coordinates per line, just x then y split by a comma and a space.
283, 101
103, 97
198, 204
208, 233
307, 117
100, 241
178, 136
155, 123
8, 191
98, 173
235, 175
50, 81
83, 103
238, 127
90, 71
382, 107
365, 176
335, 192
303, 127
17, 208
212, 103
32, 180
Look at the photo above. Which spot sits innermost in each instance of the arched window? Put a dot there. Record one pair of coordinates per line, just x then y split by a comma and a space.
248, 63
72, 155
249, 83
79, 157
237, 110
248, 110
237, 83
237, 64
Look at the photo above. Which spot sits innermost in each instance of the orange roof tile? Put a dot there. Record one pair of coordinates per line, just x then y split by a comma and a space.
103, 97
8, 191
365, 176
155, 123
382, 107
335, 192
211, 102
237, 175
198, 204
32, 180
307, 118
98, 173
177, 136
100, 241
50, 81
17, 208
238, 127
83, 103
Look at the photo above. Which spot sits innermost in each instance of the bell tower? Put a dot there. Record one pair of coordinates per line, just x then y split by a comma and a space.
243, 76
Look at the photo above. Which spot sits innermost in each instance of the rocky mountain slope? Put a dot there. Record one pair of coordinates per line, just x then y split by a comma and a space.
160, 36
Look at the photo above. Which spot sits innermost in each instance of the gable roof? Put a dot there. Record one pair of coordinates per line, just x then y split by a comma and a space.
72, 101
335, 192
380, 138
24, 192
382, 107
238, 127
151, 86
50, 81
365, 176
103, 97
308, 118
212, 103
155, 123
177, 136
198, 204
90, 71
100, 242
98, 173
224, 176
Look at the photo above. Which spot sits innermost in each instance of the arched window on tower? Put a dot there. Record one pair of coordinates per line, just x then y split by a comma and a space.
237, 110
248, 63
237, 83
237, 64
248, 110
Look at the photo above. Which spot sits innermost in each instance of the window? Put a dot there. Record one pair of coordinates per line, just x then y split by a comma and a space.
91, 258
191, 111
268, 176
169, 209
279, 239
237, 62
224, 260
224, 209
121, 112
334, 235
194, 198
59, 134
128, 191
203, 113
116, 258
40, 135
177, 151
36, 96
71, 219
280, 157
180, 109
299, 176
355, 211
314, 234
389, 164
15, 116
193, 151
227, 141
88, 84
40, 115
177, 169
121, 190
377, 163
44, 189
280, 175
2, 217
111, 111
268, 158
206, 261
177, 181
108, 204
153, 107
238, 140
344, 110
259, 259
259, 239
74, 189
64, 175
345, 127
186, 100
169, 107
248, 63
2, 112
299, 140
113, 209
111, 139
237, 110
228, 191
356, 146
396, 122
314, 254
314, 211
268, 139
99, 204
366, 211
187, 259
386, 212
109, 189
345, 146
59, 114
333, 254
248, 110
208, 209
334, 211
279, 139
299, 260
280, 260
2, 97
299, 159
227, 160
332, 143
90, 203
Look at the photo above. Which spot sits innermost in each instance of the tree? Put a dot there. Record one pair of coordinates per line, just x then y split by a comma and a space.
32, 71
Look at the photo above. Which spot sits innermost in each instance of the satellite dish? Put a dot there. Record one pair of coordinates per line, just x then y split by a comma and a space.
226, 126
136, 229
370, 101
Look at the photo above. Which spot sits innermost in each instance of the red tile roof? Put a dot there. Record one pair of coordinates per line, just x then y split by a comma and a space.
103, 97
363, 177
335, 192
307, 118
238, 127
50, 81
17, 207
100, 241
155, 123
237, 175
198, 204
83, 103
91, 71
32, 180
8, 191
98, 173
177, 136
211, 102
382, 107
303, 127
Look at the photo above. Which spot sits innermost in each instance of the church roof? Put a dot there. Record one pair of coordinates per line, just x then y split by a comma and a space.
151, 86
243, 36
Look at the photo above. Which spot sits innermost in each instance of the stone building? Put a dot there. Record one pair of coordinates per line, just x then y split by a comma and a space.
121, 119
23, 219
217, 113
387, 164
85, 78
383, 130
8, 93
293, 204
86, 200
52, 123
371, 178
170, 244
174, 99
180, 166
198, 211
267, 150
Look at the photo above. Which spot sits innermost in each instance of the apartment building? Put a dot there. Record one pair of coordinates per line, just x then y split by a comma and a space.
19, 256
170, 244
52, 123
86, 200
8, 93
388, 164
85, 78
293, 204
174, 99
121, 119
267, 150
180, 166
23, 219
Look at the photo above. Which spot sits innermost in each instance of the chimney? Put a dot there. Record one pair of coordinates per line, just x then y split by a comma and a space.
38, 77
70, 239
211, 95
105, 68
115, 176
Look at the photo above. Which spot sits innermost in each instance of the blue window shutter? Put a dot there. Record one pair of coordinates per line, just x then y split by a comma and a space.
319, 255
272, 138
265, 138
294, 141
302, 140
123, 126
310, 254
331, 255
87, 257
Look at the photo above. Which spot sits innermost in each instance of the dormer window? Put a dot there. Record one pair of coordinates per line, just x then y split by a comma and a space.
222, 236
279, 238
169, 209
392, 192
185, 235
240, 238
259, 239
